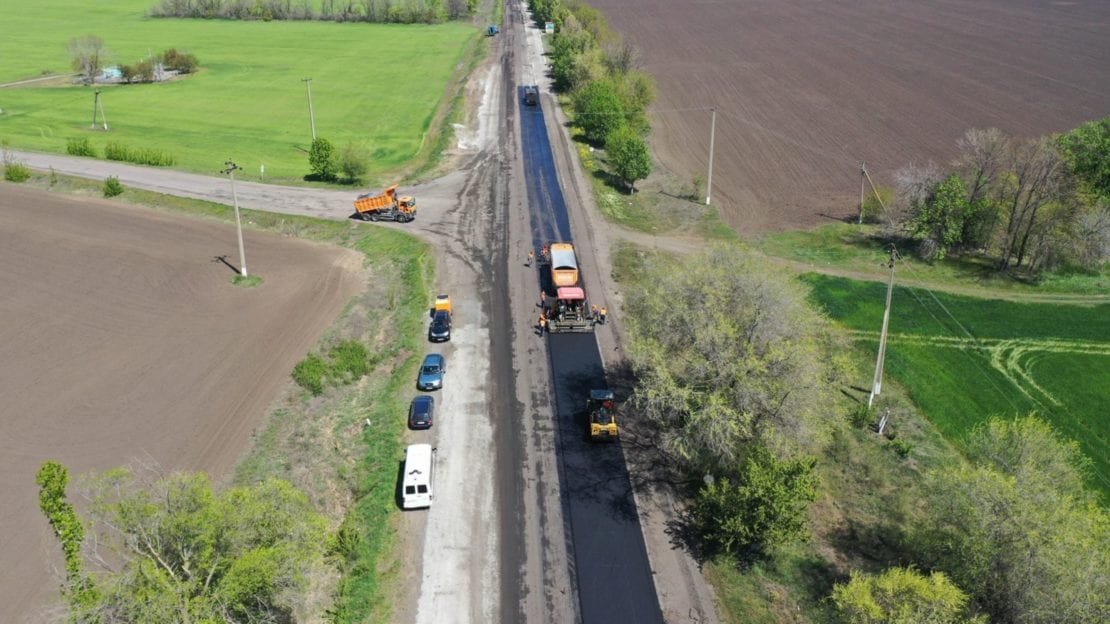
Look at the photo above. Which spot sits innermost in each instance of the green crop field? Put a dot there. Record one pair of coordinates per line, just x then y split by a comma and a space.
964, 359
374, 85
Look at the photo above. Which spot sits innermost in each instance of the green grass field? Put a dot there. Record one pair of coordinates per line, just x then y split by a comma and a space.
858, 249
378, 86
1049, 358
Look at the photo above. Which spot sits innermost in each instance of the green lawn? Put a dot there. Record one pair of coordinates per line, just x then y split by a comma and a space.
1050, 358
374, 85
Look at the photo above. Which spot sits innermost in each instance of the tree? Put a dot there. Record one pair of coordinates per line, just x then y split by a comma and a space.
765, 506
1017, 529
727, 354
1087, 151
900, 596
52, 479
353, 162
939, 219
628, 155
598, 110
321, 157
913, 184
178, 551
980, 164
88, 54
1033, 196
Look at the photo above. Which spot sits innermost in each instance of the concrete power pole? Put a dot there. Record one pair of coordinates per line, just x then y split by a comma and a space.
712, 136
311, 118
877, 384
230, 171
862, 181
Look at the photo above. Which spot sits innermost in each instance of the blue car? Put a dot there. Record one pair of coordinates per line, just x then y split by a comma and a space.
431, 372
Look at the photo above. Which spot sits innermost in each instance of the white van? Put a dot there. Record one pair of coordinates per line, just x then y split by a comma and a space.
416, 484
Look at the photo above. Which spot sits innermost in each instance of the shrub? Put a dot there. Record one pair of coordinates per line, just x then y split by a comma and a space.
141, 156
112, 187
861, 416
80, 147
764, 507
901, 447
321, 158
309, 374
353, 162
349, 360
182, 62
15, 171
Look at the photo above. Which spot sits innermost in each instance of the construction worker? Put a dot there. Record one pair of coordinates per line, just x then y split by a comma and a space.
604, 312
540, 322
531, 257
544, 251
593, 312
543, 300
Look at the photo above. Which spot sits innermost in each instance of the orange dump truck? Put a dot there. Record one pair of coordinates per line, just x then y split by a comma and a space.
564, 265
386, 206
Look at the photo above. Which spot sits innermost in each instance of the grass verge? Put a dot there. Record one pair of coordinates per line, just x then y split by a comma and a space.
860, 249
246, 281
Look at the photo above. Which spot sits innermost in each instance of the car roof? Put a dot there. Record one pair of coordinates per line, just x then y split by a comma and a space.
423, 400
441, 314
433, 358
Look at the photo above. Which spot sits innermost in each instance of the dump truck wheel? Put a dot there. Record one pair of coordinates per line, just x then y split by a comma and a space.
373, 217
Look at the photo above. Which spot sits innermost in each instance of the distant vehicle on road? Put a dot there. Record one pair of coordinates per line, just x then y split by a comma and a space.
531, 95
421, 412
386, 206
440, 329
431, 372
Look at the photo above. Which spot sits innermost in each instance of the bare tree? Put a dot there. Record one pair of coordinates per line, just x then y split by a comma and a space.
1038, 183
913, 184
88, 54
980, 164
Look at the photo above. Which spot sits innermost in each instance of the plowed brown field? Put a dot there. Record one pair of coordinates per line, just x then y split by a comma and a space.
807, 89
122, 337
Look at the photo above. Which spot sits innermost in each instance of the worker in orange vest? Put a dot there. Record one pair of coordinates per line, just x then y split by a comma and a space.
604, 312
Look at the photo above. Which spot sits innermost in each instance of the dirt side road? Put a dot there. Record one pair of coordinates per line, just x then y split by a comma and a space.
122, 337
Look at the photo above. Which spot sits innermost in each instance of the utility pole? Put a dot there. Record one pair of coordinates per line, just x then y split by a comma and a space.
230, 171
712, 135
862, 169
877, 384
311, 118
98, 106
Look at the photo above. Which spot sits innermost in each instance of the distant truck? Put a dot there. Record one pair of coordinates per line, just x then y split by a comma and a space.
531, 95
491, 30
386, 206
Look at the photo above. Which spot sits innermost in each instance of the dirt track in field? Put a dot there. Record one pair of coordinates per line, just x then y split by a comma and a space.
807, 89
123, 338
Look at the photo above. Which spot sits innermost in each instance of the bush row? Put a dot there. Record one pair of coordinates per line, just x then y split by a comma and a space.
140, 155
379, 11
610, 97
